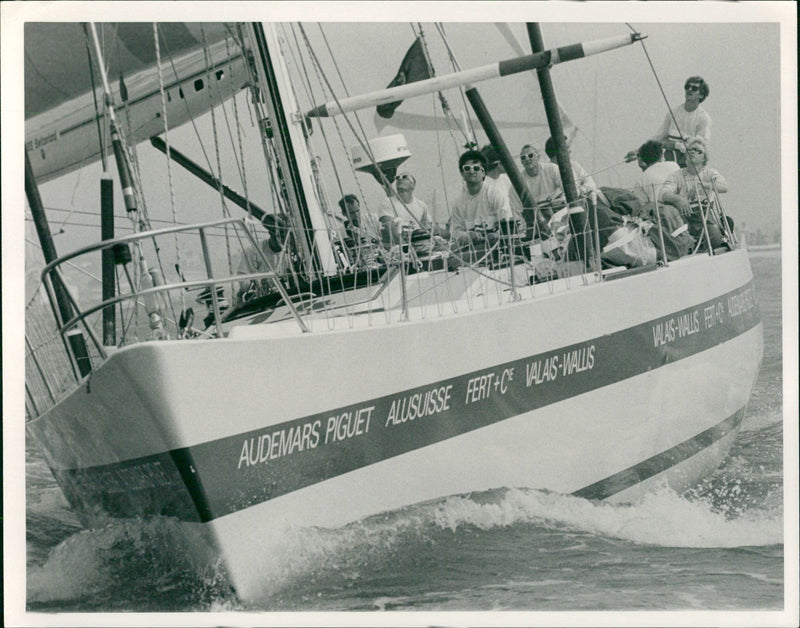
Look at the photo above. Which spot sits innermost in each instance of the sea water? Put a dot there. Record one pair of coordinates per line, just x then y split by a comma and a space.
719, 546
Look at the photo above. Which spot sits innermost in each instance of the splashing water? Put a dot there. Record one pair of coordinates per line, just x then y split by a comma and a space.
148, 565
662, 518
158, 557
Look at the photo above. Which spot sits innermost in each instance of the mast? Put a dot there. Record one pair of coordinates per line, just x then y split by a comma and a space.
553, 117
578, 220
294, 160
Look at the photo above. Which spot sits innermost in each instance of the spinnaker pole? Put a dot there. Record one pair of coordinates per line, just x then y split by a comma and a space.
475, 75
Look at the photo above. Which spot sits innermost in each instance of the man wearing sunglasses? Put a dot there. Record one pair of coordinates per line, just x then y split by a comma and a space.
692, 119
475, 214
404, 210
542, 179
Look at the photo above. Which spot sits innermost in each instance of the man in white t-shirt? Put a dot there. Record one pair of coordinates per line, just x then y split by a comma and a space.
477, 211
403, 210
541, 178
543, 181
655, 170
692, 119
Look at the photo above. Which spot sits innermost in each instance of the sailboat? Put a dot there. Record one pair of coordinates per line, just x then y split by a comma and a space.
345, 377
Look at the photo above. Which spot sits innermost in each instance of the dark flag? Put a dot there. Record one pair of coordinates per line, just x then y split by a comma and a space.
413, 68
123, 89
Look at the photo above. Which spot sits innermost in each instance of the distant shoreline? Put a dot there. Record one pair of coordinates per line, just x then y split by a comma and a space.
764, 250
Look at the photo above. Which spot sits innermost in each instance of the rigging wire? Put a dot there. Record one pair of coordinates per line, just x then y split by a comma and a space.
172, 206
448, 112
238, 125
328, 211
347, 93
211, 85
658, 81
256, 107
225, 210
361, 251
97, 118
457, 68
359, 138
190, 115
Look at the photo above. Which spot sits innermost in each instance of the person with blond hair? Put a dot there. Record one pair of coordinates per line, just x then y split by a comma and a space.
692, 190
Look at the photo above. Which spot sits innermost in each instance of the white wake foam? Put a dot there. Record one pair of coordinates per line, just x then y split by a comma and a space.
662, 518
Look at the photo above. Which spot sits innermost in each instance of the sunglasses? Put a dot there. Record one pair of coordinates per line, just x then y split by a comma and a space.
469, 168
528, 156
403, 176
696, 150
692, 88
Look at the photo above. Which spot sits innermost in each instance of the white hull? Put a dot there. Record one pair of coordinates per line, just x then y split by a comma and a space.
600, 432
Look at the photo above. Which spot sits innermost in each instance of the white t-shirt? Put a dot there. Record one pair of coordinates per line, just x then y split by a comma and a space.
690, 185
414, 213
691, 123
503, 183
546, 185
482, 209
651, 181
